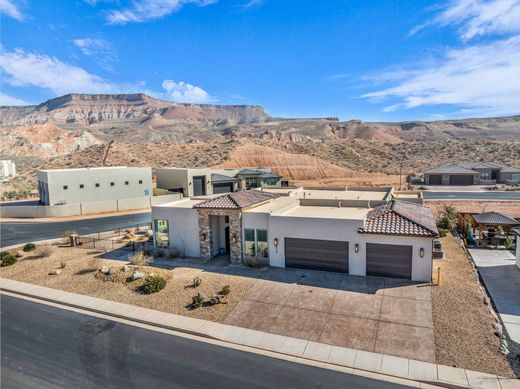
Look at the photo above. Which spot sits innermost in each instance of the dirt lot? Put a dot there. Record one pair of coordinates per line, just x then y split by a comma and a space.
511, 208
462, 324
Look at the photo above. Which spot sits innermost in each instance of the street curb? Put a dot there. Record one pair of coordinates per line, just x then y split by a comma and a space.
235, 336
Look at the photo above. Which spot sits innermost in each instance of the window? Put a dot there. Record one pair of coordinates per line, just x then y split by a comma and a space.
126, 182
140, 181
262, 245
252, 182
65, 187
81, 186
484, 176
249, 238
162, 236
112, 184
97, 184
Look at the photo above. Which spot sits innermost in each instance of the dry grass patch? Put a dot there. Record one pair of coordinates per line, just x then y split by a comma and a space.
462, 323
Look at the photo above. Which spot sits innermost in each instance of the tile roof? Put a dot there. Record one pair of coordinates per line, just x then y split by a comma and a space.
237, 200
469, 167
452, 169
400, 218
495, 218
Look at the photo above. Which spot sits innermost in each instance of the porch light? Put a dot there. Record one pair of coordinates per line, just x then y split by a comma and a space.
356, 248
275, 242
421, 252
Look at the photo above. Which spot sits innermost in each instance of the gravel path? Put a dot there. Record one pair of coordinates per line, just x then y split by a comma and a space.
462, 323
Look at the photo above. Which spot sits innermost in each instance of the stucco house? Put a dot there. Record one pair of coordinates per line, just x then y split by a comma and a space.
205, 181
360, 232
472, 173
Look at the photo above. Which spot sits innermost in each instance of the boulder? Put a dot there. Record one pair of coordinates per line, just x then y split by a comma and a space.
105, 269
112, 270
136, 275
55, 272
19, 254
126, 268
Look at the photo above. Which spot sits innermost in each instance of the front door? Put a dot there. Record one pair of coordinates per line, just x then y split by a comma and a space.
228, 244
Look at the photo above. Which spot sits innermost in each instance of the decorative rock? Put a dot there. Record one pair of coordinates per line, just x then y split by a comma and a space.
105, 269
55, 272
112, 270
126, 268
136, 275
19, 254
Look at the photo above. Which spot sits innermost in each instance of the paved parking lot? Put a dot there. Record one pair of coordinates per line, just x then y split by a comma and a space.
383, 315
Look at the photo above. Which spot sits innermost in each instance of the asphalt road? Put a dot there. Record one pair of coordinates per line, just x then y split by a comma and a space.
47, 347
20, 232
489, 195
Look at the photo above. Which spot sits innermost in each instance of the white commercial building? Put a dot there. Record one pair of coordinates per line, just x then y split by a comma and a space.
7, 168
86, 185
357, 231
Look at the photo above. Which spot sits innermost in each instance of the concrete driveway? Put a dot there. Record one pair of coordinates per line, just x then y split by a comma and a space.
502, 279
383, 315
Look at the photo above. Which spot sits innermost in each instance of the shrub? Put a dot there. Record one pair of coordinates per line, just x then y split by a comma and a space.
197, 301
43, 251
63, 265
255, 262
153, 284
442, 232
196, 282
226, 289
29, 247
139, 259
7, 259
508, 243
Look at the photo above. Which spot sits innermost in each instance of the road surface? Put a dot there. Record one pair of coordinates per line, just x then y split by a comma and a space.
20, 232
489, 195
47, 347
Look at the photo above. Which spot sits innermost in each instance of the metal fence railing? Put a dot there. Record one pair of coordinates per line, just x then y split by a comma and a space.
123, 238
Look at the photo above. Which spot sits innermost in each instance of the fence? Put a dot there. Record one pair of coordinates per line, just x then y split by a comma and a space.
113, 243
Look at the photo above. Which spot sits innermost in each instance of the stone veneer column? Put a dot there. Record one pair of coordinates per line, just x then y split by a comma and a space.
204, 234
235, 231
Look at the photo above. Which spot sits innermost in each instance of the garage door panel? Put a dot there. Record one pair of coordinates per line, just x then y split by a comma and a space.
435, 179
386, 260
222, 188
461, 179
316, 254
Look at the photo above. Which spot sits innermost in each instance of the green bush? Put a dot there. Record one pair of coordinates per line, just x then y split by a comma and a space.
196, 282
153, 284
197, 301
442, 232
508, 243
8, 259
226, 289
29, 247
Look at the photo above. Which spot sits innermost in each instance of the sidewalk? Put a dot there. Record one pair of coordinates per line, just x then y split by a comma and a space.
342, 356
502, 279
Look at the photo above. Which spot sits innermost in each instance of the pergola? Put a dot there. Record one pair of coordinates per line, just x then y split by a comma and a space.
493, 219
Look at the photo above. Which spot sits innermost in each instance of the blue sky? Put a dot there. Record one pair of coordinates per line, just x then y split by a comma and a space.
368, 59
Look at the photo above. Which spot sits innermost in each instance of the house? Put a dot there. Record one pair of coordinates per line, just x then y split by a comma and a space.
89, 185
7, 168
472, 173
356, 231
204, 181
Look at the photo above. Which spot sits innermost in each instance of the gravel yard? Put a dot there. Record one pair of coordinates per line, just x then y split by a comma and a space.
462, 324
81, 265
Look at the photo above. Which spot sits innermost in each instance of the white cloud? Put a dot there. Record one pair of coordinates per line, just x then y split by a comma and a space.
252, 4
143, 10
183, 92
478, 17
98, 48
23, 68
11, 9
483, 79
8, 100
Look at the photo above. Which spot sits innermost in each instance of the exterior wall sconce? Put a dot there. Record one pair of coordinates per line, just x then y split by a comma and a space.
275, 242
356, 248
421, 252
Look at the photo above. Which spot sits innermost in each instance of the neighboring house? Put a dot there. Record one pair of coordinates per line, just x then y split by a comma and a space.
472, 173
359, 232
7, 168
205, 181
87, 185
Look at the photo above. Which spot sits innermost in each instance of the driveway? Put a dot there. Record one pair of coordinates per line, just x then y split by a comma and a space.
502, 279
383, 315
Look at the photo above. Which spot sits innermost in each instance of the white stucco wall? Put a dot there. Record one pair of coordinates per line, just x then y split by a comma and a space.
170, 178
56, 180
183, 227
282, 227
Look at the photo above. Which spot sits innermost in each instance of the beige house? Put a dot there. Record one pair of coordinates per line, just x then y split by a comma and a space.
357, 231
472, 173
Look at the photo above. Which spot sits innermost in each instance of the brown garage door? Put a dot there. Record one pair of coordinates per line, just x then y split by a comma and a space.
388, 260
435, 179
330, 255
461, 179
